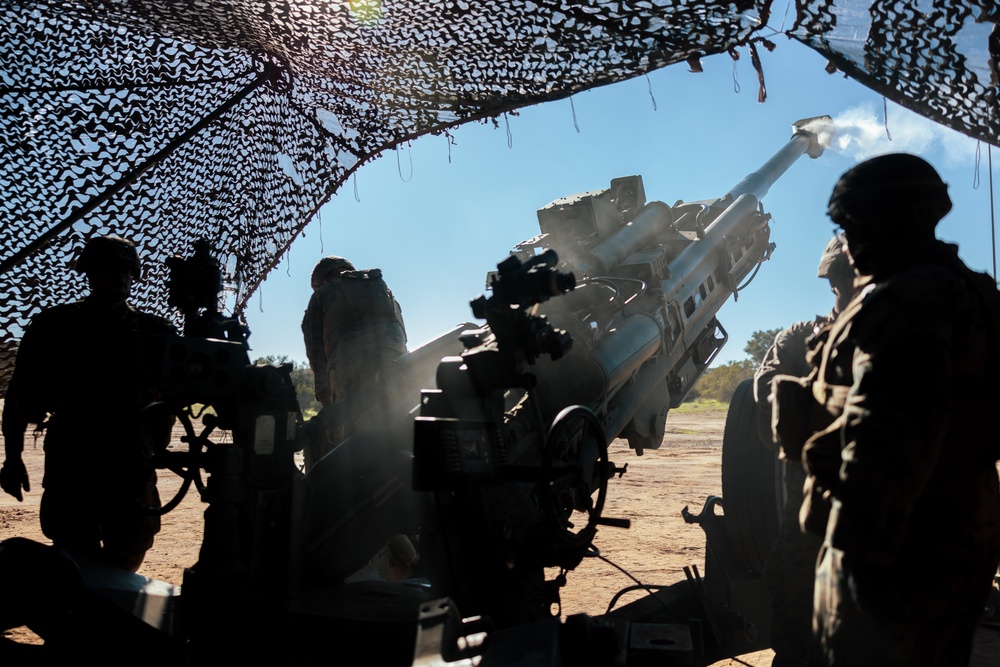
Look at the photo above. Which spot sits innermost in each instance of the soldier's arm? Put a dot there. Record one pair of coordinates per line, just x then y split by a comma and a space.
14, 426
896, 413
312, 337
15, 419
13, 474
769, 367
21, 407
399, 314
785, 357
25, 403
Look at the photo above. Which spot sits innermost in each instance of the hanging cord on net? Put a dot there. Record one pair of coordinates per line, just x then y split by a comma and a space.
399, 166
975, 186
319, 218
649, 84
885, 118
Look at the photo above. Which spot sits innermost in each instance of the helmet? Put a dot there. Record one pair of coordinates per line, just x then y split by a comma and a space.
104, 250
834, 262
897, 187
326, 266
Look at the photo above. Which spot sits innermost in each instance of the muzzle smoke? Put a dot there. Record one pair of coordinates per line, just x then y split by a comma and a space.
860, 133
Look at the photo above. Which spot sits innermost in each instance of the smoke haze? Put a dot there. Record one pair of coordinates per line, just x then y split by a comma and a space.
860, 133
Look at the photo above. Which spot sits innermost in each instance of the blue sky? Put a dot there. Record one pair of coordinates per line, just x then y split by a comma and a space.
436, 217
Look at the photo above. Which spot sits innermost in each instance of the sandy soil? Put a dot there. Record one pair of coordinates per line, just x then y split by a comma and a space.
652, 493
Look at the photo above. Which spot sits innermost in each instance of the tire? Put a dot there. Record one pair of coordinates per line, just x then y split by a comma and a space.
752, 486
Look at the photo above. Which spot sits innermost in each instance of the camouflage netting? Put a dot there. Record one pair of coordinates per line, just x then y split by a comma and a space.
936, 57
235, 120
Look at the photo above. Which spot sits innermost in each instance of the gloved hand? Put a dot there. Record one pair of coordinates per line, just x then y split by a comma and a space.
14, 477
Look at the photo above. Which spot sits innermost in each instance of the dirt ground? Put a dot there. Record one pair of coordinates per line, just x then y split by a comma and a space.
652, 493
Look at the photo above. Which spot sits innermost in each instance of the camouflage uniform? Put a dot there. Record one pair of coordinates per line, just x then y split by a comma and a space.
352, 328
791, 566
82, 365
908, 462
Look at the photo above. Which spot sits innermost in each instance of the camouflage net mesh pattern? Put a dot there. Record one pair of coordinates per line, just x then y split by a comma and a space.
235, 120
938, 57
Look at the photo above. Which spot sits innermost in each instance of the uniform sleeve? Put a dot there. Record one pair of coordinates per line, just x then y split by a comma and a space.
787, 356
24, 402
399, 314
312, 337
896, 417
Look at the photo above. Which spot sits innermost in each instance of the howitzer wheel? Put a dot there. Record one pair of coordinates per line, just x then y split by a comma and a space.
575, 474
752, 485
185, 465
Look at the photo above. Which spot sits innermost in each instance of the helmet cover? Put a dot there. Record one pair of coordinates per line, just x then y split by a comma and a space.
896, 186
834, 262
326, 266
108, 250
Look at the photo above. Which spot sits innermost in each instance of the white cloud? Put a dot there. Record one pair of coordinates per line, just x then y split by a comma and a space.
861, 134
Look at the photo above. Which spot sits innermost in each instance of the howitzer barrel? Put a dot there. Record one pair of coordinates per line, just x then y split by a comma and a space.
616, 357
700, 260
420, 364
657, 217
806, 139
678, 329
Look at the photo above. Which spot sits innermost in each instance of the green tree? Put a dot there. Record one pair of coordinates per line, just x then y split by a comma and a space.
760, 342
273, 359
302, 378
720, 382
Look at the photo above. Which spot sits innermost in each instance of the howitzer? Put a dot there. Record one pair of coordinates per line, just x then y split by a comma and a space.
652, 279
594, 330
